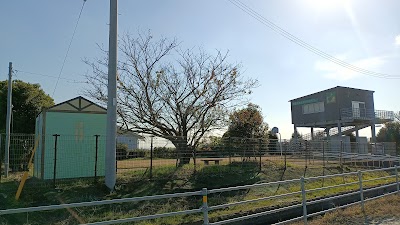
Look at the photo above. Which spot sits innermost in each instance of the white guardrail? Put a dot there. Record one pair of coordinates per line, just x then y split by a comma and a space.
205, 208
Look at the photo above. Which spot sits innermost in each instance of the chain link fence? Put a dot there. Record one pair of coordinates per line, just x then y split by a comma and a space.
21, 146
60, 159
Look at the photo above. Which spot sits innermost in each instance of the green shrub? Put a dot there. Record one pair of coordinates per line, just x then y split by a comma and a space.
139, 153
121, 151
164, 152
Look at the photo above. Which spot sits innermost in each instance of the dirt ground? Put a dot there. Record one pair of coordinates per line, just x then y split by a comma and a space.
145, 163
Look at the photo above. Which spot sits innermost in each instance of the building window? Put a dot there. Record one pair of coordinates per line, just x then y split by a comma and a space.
314, 108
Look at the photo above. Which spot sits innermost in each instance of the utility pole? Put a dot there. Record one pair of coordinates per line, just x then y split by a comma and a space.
8, 121
110, 168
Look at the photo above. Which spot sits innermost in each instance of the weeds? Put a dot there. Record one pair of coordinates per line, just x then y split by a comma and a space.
170, 179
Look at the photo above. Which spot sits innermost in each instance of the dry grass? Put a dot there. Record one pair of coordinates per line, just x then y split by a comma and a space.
145, 163
169, 179
376, 212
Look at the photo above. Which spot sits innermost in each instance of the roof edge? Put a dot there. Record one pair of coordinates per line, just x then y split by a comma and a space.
328, 90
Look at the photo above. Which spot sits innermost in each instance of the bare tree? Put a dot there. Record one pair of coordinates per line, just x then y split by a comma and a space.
170, 93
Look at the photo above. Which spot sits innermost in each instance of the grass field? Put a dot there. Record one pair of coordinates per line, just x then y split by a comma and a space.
145, 162
166, 178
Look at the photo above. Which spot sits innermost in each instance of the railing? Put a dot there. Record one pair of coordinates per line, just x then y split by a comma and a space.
385, 115
361, 191
356, 185
356, 113
366, 114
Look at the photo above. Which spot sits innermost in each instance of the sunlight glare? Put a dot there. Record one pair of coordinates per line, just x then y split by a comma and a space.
326, 5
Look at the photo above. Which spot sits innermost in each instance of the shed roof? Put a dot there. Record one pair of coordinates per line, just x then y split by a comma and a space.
330, 89
78, 104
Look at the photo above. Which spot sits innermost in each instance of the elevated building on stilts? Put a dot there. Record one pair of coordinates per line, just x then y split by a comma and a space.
334, 113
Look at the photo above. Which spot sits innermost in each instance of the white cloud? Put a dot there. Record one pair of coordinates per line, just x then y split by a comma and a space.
334, 71
397, 40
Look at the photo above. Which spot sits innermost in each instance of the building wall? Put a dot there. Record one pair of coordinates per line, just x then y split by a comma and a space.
76, 144
334, 100
339, 144
328, 97
347, 95
129, 140
362, 145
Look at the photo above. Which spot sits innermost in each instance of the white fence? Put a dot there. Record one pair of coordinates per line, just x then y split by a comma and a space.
205, 208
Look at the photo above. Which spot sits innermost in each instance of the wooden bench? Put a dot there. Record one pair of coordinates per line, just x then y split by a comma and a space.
207, 161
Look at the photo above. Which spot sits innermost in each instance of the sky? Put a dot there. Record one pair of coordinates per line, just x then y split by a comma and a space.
35, 36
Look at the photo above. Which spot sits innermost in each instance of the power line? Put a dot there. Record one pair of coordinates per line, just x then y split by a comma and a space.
305, 45
15, 73
69, 47
45, 75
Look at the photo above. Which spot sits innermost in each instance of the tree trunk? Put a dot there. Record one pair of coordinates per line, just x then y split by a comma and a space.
184, 153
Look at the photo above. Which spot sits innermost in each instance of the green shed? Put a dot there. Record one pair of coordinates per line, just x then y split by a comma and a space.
71, 140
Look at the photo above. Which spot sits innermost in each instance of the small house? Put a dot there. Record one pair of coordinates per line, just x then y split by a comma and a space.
339, 111
130, 139
71, 140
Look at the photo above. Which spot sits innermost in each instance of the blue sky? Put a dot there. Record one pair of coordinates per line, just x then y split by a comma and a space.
35, 37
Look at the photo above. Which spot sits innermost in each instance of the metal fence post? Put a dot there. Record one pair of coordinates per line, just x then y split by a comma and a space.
259, 146
55, 159
358, 147
323, 163
340, 154
205, 207
361, 190
397, 178
1, 157
284, 157
229, 152
304, 199
305, 158
306, 151
151, 158
96, 157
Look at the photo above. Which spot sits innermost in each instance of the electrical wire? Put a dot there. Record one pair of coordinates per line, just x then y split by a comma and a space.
305, 45
14, 72
45, 75
69, 47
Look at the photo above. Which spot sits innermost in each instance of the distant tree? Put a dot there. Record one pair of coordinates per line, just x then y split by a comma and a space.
121, 151
27, 100
353, 138
211, 143
211, 146
319, 135
390, 133
247, 132
179, 95
297, 135
247, 123
297, 142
